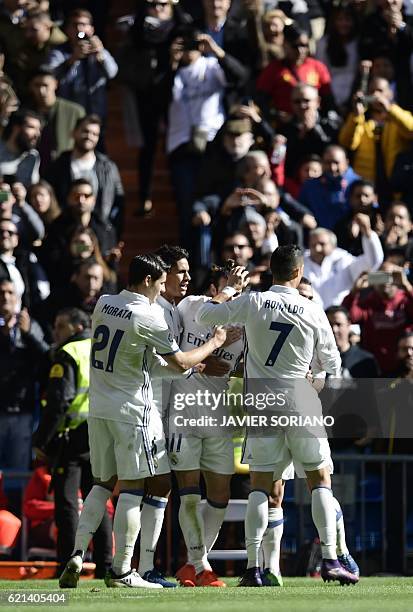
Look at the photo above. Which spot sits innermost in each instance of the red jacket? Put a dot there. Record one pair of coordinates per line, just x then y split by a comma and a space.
383, 322
278, 81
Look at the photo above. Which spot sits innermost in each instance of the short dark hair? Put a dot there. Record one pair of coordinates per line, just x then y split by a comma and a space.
18, 118
406, 334
332, 310
88, 119
78, 12
360, 183
146, 265
171, 254
86, 263
42, 72
75, 316
293, 32
284, 260
80, 181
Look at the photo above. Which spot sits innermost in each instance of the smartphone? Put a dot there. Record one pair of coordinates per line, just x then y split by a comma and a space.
4, 196
380, 278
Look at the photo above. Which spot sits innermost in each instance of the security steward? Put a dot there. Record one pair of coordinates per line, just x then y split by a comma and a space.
62, 436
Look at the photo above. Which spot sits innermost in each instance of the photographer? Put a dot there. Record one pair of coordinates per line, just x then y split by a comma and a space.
384, 313
376, 132
82, 65
196, 112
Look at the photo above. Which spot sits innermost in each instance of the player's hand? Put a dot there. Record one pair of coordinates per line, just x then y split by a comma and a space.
220, 335
238, 278
215, 366
364, 223
309, 376
199, 368
234, 333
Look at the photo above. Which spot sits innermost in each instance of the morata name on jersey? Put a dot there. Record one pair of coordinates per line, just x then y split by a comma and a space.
291, 308
121, 313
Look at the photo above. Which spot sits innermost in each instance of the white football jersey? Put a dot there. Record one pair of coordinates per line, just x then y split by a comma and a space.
284, 331
161, 386
126, 331
195, 335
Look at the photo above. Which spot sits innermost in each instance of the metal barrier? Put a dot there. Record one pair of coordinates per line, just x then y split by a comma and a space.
351, 486
354, 474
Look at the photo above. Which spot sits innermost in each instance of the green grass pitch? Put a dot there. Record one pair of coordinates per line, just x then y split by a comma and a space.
297, 595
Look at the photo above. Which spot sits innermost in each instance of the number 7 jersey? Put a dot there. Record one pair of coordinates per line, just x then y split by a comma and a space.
283, 330
126, 332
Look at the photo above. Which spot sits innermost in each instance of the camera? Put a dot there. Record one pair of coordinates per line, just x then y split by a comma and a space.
82, 36
190, 44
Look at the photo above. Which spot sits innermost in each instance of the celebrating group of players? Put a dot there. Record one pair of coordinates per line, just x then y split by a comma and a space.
150, 342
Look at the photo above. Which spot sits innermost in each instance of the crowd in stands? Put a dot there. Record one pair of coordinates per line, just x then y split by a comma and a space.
284, 122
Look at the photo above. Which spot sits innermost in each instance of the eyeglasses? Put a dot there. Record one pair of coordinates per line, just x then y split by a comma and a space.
6, 232
231, 247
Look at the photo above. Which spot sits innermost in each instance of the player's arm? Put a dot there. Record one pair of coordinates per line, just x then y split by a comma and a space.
326, 352
221, 310
188, 359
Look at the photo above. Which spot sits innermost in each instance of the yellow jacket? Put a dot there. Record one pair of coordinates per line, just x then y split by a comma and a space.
357, 135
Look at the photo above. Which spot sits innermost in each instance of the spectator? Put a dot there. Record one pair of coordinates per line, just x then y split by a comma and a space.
22, 349
261, 235
237, 246
362, 199
19, 156
281, 76
29, 225
384, 313
12, 14
327, 196
307, 132
402, 176
79, 211
59, 116
145, 70
397, 232
196, 112
385, 32
40, 36
84, 161
82, 292
266, 30
338, 50
84, 245
42, 199
310, 167
82, 65
331, 270
20, 266
376, 135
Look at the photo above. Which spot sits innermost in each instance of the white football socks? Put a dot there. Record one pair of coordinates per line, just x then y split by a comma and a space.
192, 525
340, 529
126, 528
90, 518
324, 517
152, 515
213, 515
256, 522
271, 541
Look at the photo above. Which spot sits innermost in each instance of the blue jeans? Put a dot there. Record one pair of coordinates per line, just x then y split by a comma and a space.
15, 441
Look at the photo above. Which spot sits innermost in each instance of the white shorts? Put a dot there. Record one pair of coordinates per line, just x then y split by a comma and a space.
295, 468
129, 451
275, 453
210, 454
